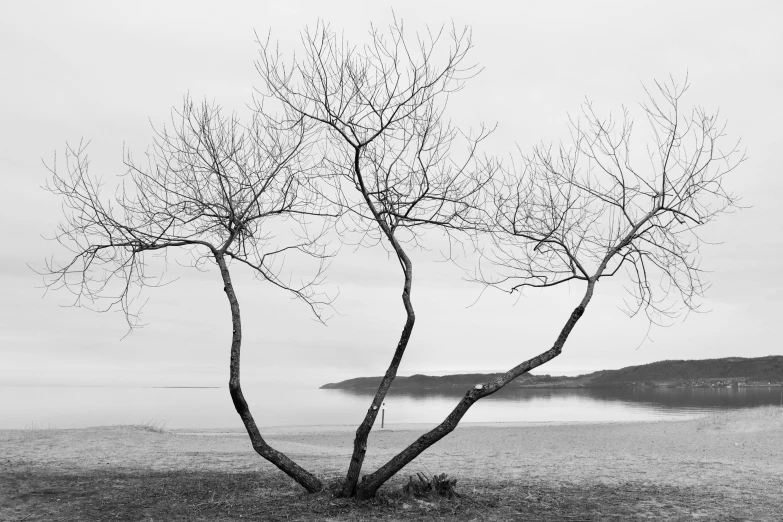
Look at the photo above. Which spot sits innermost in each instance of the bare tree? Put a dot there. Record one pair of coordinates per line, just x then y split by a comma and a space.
363, 131
222, 191
381, 109
590, 212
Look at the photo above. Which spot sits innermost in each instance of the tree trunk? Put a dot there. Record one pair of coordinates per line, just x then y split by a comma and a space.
363, 431
288, 466
371, 483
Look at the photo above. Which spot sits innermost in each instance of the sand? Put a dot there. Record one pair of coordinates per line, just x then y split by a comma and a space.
731, 452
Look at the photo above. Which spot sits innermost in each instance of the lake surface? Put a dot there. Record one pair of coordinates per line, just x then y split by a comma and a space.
193, 408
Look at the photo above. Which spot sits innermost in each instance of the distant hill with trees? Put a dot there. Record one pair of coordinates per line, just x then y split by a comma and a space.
729, 371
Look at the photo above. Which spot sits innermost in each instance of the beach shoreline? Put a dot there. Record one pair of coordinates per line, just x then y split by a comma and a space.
733, 455
416, 426
741, 438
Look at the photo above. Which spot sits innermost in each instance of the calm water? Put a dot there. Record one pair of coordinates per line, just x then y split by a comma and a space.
76, 407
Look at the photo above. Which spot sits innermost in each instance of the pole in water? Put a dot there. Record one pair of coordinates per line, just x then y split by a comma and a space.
383, 414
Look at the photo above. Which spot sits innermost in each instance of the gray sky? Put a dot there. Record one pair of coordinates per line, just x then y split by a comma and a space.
103, 71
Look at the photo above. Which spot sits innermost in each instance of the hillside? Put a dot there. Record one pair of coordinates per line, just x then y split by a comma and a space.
738, 371
749, 370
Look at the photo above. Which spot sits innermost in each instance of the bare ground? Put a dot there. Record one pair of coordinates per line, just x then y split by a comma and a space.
727, 466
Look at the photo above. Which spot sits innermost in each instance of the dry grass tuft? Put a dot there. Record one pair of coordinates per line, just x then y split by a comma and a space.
419, 485
154, 425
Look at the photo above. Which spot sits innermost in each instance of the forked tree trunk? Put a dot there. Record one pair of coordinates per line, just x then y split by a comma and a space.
288, 466
371, 483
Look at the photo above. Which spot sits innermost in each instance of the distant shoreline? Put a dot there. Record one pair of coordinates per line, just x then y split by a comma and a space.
728, 372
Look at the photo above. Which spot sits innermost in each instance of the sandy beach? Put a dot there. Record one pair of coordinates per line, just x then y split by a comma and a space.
736, 457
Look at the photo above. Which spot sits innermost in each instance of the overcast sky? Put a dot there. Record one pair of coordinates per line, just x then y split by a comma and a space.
104, 71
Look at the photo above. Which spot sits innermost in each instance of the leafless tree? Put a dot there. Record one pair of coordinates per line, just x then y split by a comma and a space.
391, 154
222, 191
363, 135
590, 212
